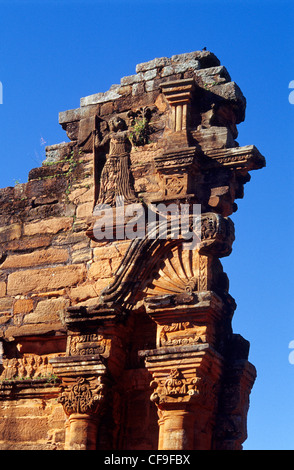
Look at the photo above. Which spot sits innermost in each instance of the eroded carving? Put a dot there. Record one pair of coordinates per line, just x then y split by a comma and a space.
182, 333
175, 388
27, 367
115, 178
83, 395
87, 344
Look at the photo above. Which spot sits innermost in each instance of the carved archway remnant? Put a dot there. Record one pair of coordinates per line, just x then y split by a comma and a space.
191, 158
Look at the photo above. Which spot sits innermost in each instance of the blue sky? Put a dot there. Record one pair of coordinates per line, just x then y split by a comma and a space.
52, 53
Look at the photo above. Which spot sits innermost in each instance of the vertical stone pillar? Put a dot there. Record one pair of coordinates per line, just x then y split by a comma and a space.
178, 94
185, 383
95, 359
176, 429
81, 433
83, 399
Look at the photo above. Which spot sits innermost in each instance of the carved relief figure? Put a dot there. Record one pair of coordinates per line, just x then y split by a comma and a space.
115, 176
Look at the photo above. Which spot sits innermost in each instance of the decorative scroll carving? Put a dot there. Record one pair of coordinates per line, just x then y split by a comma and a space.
247, 157
175, 388
169, 268
175, 170
170, 334
83, 396
87, 344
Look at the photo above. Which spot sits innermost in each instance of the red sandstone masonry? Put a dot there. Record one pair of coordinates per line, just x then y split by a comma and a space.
42, 280
37, 258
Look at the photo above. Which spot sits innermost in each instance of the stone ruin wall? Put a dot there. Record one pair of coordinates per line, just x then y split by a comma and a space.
58, 327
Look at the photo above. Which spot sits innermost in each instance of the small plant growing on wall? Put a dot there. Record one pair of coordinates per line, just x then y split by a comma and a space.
140, 132
140, 129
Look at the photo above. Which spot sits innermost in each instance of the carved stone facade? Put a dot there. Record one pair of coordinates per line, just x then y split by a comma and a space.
125, 342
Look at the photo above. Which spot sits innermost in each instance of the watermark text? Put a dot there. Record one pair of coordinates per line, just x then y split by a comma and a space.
155, 221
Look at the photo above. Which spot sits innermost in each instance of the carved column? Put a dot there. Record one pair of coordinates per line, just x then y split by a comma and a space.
185, 393
94, 360
178, 94
84, 385
82, 400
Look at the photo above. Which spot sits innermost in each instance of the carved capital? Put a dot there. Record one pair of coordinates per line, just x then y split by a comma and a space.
176, 388
185, 375
83, 395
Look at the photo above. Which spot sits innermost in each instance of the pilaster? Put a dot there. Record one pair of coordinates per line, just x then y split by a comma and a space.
93, 363
186, 385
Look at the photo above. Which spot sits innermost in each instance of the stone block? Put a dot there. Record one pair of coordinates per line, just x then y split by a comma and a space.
30, 243
166, 71
44, 280
107, 108
55, 153
206, 58
81, 256
131, 79
2, 289
213, 74
150, 74
33, 329
138, 89
68, 238
96, 98
106, 252
53, 226
150, 85
80, 293
85, 210
23, 306
102, 284
72, 115
12, 232
152, 64
4, 318
99, 270
47, 311
23, 429
37, 258
6, 304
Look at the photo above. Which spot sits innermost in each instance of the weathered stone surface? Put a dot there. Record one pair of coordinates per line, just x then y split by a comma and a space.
80, 293
109, 95
33, 426
27, 244
12, 232
37, 258
2, 289
6, 304
33, 330
23, 306
52, 226
39, 280
47, 311
100, 270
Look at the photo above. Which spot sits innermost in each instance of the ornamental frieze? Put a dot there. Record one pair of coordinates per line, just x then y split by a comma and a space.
183, 333
87, 344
